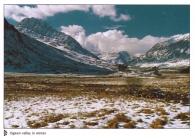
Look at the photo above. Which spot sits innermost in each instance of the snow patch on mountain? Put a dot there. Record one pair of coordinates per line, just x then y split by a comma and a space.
178, 63
25, 54
114, 58
43, 32
40, 30
179, 37
174, 52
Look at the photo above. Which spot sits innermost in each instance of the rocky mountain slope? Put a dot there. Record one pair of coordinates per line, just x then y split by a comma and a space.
40, 30
25, 54
43, 32
175, 51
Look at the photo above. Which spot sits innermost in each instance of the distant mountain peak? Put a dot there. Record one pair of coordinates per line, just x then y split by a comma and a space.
42, 31
38, 25
172, 51
26, 54
121, 57
179, 37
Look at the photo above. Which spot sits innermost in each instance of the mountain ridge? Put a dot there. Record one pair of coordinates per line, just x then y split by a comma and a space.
40, 30
27, 55
176, 49
173, 51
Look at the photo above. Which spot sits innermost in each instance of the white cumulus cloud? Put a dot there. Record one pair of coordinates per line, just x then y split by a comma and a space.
121, 17
77, 32
110, 11
115, 40
104, 10
72, 29
42, 11
112, 40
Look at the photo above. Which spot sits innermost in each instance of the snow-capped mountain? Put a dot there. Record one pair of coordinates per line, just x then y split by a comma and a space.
43, 32
40, 30
25, 54
175, 51
114, 58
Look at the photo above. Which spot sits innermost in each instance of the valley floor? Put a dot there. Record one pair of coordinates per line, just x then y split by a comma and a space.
68, 101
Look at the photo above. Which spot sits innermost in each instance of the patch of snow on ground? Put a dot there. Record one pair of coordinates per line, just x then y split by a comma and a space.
166, 64
78, 110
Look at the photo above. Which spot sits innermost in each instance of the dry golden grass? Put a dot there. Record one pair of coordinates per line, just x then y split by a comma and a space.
28, 109
146, 111
185, 122
158, 123
96, 113
130, 124
36, 124
111, 104
183, 116
54, 118
102, 118
118, 118
112, 124
147, 118
109, 111
45, 120
15, 126
35, 114
28, 116
21, 86
88, 102
174, 109
55, 126
72, 126
73, 117
65, 123
103, 94
139, 120
121, 118
147, 106
89, 114
161, 111
171, 119
84, 127
135, 106
91, 123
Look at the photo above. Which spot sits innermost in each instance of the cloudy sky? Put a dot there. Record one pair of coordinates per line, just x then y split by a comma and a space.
110, 28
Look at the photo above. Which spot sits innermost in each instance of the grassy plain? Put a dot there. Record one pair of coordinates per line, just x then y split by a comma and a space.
76, 101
